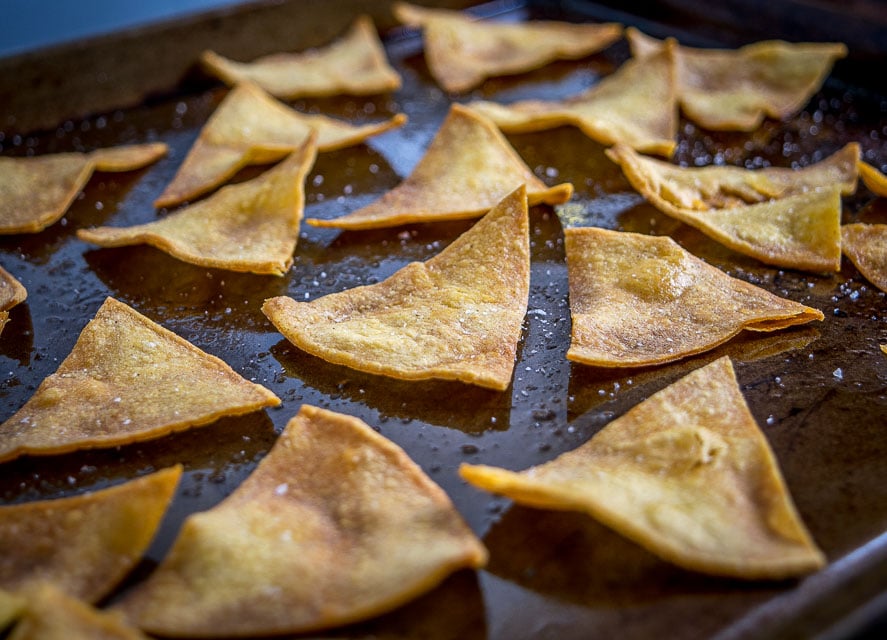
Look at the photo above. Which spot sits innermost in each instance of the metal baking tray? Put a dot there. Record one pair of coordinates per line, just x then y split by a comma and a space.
819, 392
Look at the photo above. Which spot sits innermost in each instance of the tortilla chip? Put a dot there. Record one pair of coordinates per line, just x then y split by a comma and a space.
866, 246
873, 179
83, 544
335, 525
639, 300
687, 474
468, 168
455, 317
800, 229
734, 89
252, 226
11, 607
462, 52
50, 614
11, 293
35, 192
636, 105
353, 65
250, 127
127, 380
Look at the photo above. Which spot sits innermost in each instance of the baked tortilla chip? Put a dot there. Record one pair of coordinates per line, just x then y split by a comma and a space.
353, 65
799, 228
250, 127
252, 226
83, 544
127, 380
461, 52
635, 105
335, 525
11, 607
873, 179
11, 293
50, 614
468, 168
455, 317
639, 300
687, 474
35, 192
866, 246
734, 89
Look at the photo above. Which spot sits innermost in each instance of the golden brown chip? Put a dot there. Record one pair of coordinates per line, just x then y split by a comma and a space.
11, 293
799, 229
866, 246
468, 168
457, 316
83, 544
873, 179
250, 127
639, 300
127, 380
354, 65
636, 105
336, 524
252, 226
35, 192
50, 614
11, 607
462, 52
687, 474
734, 89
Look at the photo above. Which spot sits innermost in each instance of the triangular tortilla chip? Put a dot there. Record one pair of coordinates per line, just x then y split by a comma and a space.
11, 293
733, 89
35, 192
468, 168
127, 380
866, 246
687, 474
456, 317
50, 614
250, 127
639, 300
873, 179
800, 229
11, 607
83, 544
252, 226
335, 525
635, 105
462, 52
353, 65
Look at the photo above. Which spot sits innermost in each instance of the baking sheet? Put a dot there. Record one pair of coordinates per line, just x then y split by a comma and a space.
819, 392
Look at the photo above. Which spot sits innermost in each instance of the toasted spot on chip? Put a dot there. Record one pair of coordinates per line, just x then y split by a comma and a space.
640, 300
353, 65
126, 380
461, 52
687, 474
252, 226
35, 192
873, 179
250, 127
50, 614
866, 246
456, 317
635, 105
84, 544
789, 218
734, 89
335, 525
11, 293
468, 168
